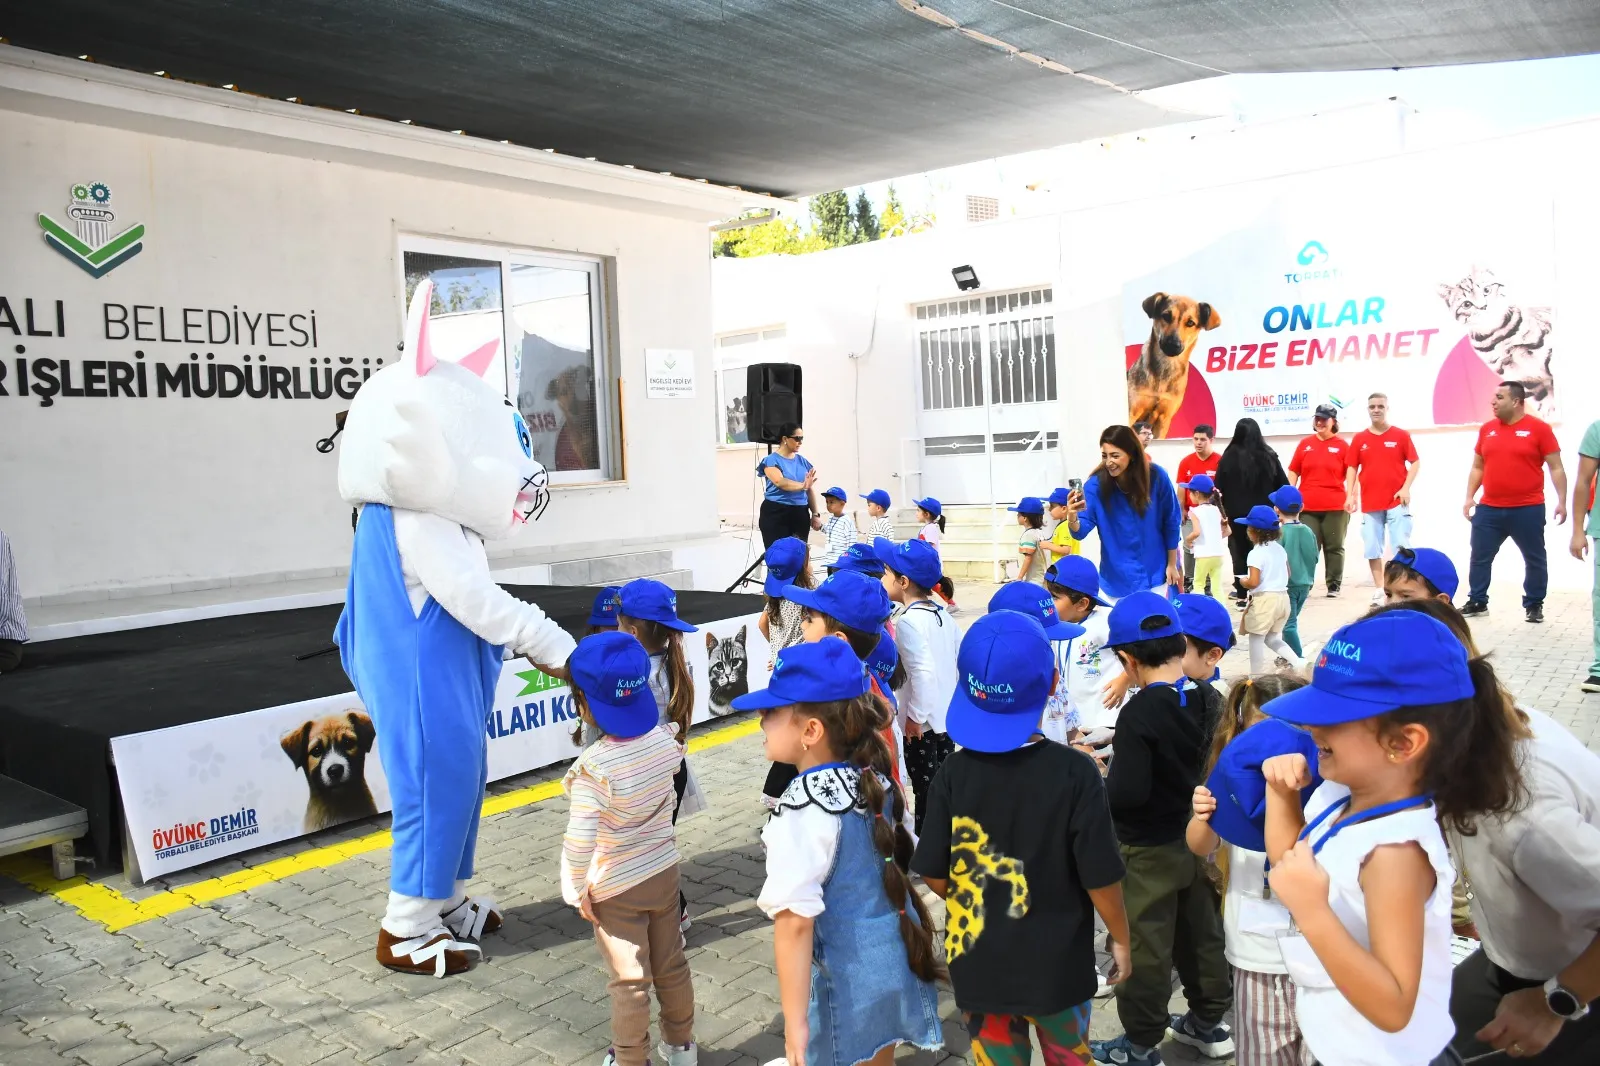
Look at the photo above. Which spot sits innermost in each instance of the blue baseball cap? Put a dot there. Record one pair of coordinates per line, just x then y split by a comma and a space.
612, 670
1239, 787
1205, 618
916, 559
1261, 517
1128, 618
1078, 574
859, 559
851, 599
1058, 497
1377, 665
1028, 505
809, 673
1286, 497
1025, 597
606, 604
884, 657
650, 600
1199, 483
877, 496
931, 505
785, 559
1007, 671
1432, 564
837, 493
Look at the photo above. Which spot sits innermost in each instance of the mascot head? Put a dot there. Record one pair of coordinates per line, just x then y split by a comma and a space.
426, 435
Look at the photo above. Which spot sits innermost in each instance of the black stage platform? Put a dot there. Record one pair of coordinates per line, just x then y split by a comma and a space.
60, 709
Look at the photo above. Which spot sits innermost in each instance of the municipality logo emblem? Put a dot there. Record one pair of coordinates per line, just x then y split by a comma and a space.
89, 243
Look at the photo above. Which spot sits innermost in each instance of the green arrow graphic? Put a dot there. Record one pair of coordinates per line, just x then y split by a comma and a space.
538, 681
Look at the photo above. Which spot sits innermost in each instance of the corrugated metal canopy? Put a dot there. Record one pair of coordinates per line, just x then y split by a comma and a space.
792, 97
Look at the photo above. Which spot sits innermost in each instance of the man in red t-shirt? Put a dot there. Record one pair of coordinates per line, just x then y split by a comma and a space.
1203, 460
1383, 464
1513, 449
1318, 470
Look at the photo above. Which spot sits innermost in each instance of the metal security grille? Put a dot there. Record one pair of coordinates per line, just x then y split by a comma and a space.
964, 444
1029, 441
1013, 332
952, 368
1022, 355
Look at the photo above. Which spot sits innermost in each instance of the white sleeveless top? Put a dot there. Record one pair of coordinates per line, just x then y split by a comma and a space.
1334, 1030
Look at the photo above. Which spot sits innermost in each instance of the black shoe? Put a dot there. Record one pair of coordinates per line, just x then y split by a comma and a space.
1591, 684
1333, 589
1475, 607
1536, 613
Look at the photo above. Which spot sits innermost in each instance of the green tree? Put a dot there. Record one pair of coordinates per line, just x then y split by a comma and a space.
831, 218
892, 223
865, 222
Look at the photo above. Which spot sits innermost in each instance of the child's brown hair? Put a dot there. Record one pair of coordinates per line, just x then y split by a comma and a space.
680, 682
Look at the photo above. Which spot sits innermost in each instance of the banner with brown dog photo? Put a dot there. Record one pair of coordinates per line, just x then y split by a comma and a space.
1433, 301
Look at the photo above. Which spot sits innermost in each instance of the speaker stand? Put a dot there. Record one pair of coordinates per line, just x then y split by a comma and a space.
745, 578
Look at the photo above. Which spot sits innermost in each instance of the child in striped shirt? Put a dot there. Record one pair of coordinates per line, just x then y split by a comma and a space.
619, 857
840, 530
878, 504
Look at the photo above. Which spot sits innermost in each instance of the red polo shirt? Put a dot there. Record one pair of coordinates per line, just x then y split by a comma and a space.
1513, 461
1382, 459
1321, 465
1189, 466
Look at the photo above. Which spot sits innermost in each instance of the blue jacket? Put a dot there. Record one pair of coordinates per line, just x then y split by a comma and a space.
1133, 547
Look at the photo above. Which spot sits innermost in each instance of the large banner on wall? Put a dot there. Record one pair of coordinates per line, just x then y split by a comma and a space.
199, 792
1430, 302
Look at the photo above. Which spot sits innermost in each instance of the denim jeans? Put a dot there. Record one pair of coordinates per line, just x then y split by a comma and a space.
1490, 528
1395, 522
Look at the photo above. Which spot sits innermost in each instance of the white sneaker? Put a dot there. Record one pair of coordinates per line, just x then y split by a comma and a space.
672, 1055
1105, 989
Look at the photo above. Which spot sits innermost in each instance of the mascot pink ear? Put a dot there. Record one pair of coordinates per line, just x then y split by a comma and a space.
417, 345
478, 361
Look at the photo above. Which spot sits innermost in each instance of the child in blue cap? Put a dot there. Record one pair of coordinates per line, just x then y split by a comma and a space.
648, 611
603, 615
1207, 538
1300, 545
1030, 516
1060, 543
1173, 907
1019, 842
1268, 583
839, 529
1095, 685
859, 559
788, 566
1207, 634
879, 524
852, 939
928, 641
1226, 826
1420, 574
619, 857
1060, 722
930, 512
1411, 734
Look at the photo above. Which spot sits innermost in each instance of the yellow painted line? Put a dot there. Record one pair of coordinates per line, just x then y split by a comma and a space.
110, 908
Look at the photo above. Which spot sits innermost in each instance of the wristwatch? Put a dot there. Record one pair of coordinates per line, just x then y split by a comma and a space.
1563, 1002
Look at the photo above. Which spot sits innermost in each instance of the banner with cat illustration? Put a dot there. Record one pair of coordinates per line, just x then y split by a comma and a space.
195, 793
1432, 300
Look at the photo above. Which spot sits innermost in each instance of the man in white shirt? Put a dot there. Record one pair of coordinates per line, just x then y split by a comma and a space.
13, 622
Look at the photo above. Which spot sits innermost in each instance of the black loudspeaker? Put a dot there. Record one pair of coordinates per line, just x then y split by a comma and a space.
772, 393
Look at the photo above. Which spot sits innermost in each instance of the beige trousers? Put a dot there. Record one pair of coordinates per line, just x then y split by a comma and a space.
639, 941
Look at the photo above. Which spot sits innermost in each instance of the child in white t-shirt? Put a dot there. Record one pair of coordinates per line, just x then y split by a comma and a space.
1268, 582
1084, 707
840, 529
879, 524
1205, 539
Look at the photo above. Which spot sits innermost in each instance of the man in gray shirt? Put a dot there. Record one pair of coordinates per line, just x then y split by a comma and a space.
13, 623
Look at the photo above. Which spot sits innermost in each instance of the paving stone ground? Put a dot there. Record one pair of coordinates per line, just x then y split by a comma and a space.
284, 973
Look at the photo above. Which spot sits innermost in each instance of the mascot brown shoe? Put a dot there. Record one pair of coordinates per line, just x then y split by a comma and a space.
472, 918
433, 954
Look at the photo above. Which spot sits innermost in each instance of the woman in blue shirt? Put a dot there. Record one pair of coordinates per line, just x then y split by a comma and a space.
790, 508
1132, 503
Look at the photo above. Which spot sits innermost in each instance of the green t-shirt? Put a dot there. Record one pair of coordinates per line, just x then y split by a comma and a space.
1301, 545
1591, 448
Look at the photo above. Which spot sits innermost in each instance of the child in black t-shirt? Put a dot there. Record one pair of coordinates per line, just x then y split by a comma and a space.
1174, 914
1017, 838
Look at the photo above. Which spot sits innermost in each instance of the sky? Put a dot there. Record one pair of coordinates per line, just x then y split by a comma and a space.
1482, 99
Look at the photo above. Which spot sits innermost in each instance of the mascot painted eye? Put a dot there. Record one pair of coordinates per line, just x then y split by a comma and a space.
524, 438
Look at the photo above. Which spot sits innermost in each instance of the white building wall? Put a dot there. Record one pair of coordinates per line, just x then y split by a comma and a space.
276, 208
837, 300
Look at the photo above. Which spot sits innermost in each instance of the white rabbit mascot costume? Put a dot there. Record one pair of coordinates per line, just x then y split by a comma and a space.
439, 460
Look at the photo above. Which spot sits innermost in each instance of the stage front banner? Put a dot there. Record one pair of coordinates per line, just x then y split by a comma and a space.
195, 793
1430, 299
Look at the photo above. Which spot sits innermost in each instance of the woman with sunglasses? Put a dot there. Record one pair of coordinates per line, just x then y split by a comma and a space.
790, 507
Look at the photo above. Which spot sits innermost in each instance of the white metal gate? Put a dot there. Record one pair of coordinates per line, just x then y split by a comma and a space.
987, 385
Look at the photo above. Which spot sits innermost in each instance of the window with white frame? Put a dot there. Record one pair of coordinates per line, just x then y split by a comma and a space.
549, 312
1007, 339
736, 352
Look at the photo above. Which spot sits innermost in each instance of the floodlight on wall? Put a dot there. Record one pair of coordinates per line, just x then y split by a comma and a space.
966, 278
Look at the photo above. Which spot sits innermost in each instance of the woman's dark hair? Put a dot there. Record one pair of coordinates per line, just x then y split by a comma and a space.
1471, 766
1249, 458
1135, 480
855, 733
1265, 536
786, 429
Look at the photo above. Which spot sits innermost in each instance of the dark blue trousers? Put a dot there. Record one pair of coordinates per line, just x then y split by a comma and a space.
1490, 528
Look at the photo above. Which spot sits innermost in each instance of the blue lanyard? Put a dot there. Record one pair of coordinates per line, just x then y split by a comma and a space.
1176, 686
1365, 816
824, 766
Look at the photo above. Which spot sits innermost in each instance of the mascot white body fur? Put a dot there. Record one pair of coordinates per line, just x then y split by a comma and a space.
438, 460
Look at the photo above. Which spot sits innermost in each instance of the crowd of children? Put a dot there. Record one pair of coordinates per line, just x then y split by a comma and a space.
1281, 846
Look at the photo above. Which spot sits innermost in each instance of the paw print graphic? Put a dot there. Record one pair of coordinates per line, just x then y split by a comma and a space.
205, 763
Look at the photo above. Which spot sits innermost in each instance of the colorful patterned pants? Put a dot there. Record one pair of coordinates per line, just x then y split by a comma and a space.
1002, 1039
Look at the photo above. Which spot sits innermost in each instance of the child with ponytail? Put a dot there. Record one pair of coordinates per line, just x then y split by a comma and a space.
1411, 734
648, 610
930, 512
853, 941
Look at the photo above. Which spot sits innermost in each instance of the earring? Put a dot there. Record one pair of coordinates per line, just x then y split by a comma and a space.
1391, 756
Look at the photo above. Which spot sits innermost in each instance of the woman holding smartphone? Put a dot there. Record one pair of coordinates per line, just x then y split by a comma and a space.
1132, 503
